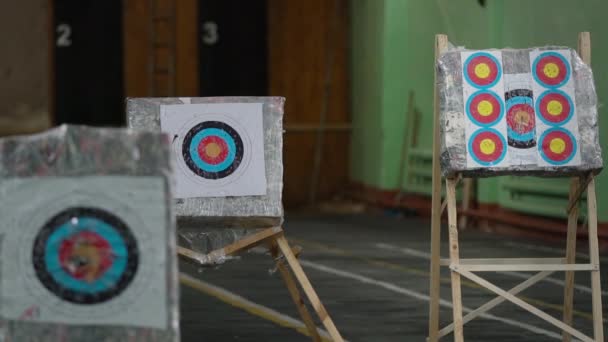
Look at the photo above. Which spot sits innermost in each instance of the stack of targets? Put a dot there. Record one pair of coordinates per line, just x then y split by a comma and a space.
227, 153
87, 239
531, 111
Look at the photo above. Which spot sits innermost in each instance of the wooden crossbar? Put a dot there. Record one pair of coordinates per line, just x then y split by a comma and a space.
496, 301
523, 267
522, 304
503, 261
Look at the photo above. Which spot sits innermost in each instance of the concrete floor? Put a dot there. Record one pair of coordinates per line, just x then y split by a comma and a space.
372, 275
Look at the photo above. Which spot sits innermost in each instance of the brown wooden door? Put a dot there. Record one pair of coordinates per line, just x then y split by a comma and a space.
309, 66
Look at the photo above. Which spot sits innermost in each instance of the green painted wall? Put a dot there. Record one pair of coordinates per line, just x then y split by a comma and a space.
367, 29
392, 53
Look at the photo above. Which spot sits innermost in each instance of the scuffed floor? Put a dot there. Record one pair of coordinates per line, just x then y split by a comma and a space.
372, 275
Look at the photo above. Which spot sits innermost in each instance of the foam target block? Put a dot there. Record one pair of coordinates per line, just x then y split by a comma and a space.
87, 239
228, 157
526, 112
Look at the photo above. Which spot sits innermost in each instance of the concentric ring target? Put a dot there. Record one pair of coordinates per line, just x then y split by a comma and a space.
482, 70
212, 149
554, 107
85, 255
557, 146
487, 146
551, 70
521, 122
484, 108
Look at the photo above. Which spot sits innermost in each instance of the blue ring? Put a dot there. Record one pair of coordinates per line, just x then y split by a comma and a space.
109, 278
504, 146
206, 166
491, 93
555, 54
553, 162
510, 132
466, 66
540, 115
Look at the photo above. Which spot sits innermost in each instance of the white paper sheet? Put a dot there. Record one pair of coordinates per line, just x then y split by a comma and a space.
543, 127
197, 177
474, 130
139, 202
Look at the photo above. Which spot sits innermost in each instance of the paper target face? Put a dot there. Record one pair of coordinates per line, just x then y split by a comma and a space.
521, 121
90, 251
487, 147
555, 107
213, 149
551, 70
482, 70
557, 146
85, 255
219, 149
485, 108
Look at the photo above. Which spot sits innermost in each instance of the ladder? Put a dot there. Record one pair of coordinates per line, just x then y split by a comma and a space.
161, 58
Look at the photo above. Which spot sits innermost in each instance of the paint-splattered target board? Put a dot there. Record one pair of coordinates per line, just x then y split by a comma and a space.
531, 111
87, 240
227, 153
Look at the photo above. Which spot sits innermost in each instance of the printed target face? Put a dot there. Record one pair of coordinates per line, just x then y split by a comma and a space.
551, 70
557, 146
484, 108
85, 255
487, 146
213, 149
482, 70
554, 107
521, 122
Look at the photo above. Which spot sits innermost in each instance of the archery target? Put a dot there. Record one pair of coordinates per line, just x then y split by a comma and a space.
86, 252
521, 121
213, 149
555, 107
484, 108
551, 69
482, 70
219, 148
557, 127
85, 255
487, 147
557, 146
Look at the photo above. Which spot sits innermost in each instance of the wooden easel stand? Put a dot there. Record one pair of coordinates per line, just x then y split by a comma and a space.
284, 256
544, 266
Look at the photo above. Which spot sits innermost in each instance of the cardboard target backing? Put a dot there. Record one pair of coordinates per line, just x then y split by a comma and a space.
85, 252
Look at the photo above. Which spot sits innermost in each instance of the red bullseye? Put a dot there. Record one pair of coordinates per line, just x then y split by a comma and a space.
485, 108
482, 70
213, 150
551, 69
557, 146
86, 255
554, 108
520, 118
487, 147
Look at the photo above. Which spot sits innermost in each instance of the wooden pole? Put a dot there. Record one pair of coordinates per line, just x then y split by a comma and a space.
441, 46
454, 260
594, 256
570, 259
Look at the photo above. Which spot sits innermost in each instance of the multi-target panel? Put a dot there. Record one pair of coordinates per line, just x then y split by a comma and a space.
506, 111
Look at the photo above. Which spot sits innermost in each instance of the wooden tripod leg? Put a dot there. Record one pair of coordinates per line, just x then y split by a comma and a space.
570, 259
296, 296
441, 45
308, 289
594, 256
454, 260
